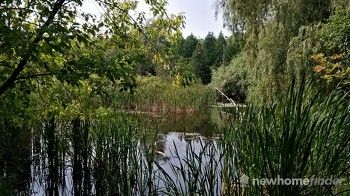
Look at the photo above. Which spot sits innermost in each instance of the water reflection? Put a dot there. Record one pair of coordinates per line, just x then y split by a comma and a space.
96, 158
194, 162
15, 161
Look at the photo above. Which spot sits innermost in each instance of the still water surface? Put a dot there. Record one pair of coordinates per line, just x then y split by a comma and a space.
79, 164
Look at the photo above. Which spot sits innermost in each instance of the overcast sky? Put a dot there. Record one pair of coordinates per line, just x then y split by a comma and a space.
200, 15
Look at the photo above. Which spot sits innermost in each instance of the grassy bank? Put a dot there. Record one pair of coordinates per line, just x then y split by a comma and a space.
153, 94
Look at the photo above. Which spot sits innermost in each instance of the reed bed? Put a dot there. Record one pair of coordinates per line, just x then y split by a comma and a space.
156, 95
305, 134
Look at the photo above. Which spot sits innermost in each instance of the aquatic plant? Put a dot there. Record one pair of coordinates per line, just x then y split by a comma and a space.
304, 135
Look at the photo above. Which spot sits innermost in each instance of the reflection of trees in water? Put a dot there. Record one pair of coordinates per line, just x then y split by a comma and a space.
41, 160
81, 162
72, 158
199, 122
14, 157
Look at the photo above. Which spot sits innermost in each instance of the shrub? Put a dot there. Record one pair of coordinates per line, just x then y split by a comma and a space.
232, 80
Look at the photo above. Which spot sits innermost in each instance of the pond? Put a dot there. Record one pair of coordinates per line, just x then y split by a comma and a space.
92, 158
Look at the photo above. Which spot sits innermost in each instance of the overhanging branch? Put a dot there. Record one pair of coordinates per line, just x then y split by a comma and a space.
21, 65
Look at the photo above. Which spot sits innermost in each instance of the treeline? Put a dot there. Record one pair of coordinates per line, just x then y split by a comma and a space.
194, 59
202, 56
286, 41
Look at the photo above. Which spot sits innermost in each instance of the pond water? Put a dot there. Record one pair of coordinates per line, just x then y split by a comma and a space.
63, 160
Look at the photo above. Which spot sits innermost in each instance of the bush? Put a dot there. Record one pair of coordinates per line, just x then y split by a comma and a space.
336, 33
321, 52
232, 80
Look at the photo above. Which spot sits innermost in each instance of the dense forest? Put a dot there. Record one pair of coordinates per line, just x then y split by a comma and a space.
76, 88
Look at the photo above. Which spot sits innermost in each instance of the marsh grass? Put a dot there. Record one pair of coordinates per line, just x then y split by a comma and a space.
306, 134
158, 95
303, 135
14, 156
115, 161
197, 172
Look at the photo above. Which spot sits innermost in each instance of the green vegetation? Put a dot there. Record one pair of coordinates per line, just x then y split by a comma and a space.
306, 134
281, 37
154, 94
87, 102
198, 58
232, 79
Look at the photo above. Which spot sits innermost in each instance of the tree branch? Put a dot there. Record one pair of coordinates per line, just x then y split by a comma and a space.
21, 65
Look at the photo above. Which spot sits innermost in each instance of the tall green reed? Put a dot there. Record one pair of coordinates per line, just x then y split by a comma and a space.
14, 156
304, 135
159, 95
122, 165
195, 171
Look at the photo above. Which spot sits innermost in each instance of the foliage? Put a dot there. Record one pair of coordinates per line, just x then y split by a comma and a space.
200, 64
30, 30
268, 69
301, 48
305, 134
233, 48
187, 46
66, 65
156, 95
209, 48
232, 80
335, 33
185, 75
195, 59
48, 34
268, 28
75, 67
332, 63
334, 70
241, 16
324, 59
68, 80
220, 48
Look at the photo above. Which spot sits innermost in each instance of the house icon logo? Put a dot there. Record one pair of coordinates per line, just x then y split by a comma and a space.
244, 180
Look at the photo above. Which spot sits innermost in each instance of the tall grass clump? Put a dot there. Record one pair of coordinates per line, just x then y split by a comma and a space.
14, 157
120, 166
197, 170
304, 135
158, 95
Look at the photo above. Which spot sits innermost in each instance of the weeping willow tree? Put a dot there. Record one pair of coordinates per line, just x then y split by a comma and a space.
268, 27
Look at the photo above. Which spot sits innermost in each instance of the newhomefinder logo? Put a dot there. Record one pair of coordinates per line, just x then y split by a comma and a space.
313, 181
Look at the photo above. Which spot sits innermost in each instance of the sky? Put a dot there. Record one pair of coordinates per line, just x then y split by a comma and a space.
200, 16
